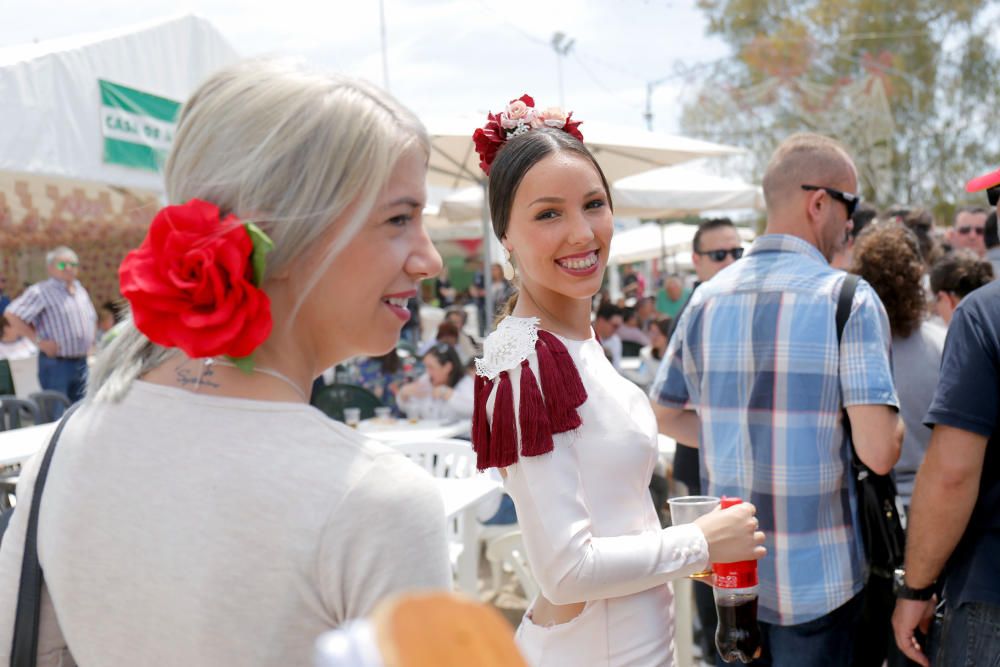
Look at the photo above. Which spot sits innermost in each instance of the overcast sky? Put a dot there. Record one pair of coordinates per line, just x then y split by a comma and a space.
445, 57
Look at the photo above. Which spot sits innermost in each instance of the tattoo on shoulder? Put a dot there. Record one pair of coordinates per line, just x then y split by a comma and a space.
186, 378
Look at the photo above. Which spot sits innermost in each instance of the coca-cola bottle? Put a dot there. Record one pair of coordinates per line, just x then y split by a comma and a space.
735, 585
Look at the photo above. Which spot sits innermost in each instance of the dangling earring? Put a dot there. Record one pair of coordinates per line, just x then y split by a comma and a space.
508, 267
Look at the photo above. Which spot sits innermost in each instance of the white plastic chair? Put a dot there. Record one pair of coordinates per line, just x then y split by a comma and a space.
450, 459
24, 373
509, 550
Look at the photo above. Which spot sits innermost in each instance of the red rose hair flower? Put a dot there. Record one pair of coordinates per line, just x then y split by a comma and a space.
519, 117
194, 282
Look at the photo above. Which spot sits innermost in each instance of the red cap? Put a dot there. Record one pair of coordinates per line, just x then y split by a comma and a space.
983, 182
742, 574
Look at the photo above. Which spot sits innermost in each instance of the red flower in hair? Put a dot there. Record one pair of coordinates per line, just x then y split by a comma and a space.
488, 140
193, 283
519, 117
571, 126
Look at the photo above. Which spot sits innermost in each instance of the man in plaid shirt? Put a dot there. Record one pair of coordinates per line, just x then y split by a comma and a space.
754, 375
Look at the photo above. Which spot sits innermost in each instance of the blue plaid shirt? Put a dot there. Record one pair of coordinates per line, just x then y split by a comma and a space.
755, 354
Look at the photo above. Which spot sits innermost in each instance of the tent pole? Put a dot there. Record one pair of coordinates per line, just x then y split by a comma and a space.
488, 309
663, 246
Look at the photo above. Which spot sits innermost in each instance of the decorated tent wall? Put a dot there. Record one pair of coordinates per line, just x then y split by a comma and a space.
89, 120
101, 223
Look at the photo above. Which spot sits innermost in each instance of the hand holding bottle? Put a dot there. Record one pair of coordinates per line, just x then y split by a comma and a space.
732, 534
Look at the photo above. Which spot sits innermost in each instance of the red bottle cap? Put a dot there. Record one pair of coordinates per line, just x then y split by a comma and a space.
742, 574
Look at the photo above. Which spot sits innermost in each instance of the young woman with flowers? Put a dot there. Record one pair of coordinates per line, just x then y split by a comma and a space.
198, 511
575, 441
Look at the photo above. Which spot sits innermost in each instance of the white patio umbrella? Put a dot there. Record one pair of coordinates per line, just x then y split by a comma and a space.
658, 193
681, 190
621, 152
440, 228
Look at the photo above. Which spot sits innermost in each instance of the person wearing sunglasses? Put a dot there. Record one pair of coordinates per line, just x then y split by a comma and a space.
967, 233
58, 316
992, 240
953, 530
716, 244
752, 377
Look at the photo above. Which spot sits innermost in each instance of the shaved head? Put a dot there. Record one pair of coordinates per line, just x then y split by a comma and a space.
805, 159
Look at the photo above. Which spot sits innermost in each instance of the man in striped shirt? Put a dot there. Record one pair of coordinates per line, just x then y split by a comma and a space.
58, 316
754, 375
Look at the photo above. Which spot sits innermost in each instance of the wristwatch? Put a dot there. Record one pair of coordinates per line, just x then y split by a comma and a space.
901, 590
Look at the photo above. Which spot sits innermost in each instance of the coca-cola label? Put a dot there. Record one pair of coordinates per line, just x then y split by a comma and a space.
736, 580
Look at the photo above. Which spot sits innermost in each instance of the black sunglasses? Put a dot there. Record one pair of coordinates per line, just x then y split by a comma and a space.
848, 199
993, 194
719, 255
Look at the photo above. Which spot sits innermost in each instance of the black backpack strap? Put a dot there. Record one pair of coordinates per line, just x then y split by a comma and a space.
24, 650
844, 303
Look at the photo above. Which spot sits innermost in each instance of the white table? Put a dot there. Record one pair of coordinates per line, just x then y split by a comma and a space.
20, 444
402, 430
461, 498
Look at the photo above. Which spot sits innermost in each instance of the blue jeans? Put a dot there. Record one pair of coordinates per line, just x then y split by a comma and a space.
66, 375
827, 641
506, 514
970, 636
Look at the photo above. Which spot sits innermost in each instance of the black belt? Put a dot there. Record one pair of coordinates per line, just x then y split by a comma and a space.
65, 358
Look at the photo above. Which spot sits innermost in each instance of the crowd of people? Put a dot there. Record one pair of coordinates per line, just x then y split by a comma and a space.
232, 523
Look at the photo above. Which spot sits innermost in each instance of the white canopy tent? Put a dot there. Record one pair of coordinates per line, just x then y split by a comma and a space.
57, 183
51, 100
681, 190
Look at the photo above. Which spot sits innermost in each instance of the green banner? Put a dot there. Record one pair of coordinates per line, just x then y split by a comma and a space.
138, 128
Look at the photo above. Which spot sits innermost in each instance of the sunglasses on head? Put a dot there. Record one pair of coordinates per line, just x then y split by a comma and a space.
965, 229
62, 266
993, 194
720, 255
848, 199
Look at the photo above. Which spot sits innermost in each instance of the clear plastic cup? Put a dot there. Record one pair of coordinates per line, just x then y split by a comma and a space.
383, 413
685, 509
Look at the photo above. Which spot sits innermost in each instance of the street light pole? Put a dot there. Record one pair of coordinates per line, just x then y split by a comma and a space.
650, 86
385, 56
562, 46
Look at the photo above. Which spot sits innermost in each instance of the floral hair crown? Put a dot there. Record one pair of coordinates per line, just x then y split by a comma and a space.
519, 117
194, 283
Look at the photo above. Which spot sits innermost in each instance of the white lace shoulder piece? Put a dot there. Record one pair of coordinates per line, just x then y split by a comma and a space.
512, 342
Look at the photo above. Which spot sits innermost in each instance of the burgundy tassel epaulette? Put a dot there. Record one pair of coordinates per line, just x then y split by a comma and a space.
545, 408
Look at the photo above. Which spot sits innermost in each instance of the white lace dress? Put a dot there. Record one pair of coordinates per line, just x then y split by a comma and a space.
590, 530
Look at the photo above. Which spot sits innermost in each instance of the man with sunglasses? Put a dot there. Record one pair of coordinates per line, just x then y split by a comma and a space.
953, 530
58, 316
716, 245
967, 234
753, 376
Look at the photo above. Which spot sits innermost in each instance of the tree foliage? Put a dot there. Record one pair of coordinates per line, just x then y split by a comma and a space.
910, 86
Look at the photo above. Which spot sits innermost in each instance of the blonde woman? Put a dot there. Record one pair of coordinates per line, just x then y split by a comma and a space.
197, 513
574, 440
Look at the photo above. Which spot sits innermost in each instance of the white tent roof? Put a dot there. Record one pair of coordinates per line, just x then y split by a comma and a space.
620, 150
681, 190
51, 102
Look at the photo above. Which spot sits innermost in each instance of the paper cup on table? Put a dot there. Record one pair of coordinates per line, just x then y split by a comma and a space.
352, 416
685, 509
383, 413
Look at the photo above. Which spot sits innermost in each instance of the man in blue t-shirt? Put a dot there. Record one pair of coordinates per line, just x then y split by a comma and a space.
954, 525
